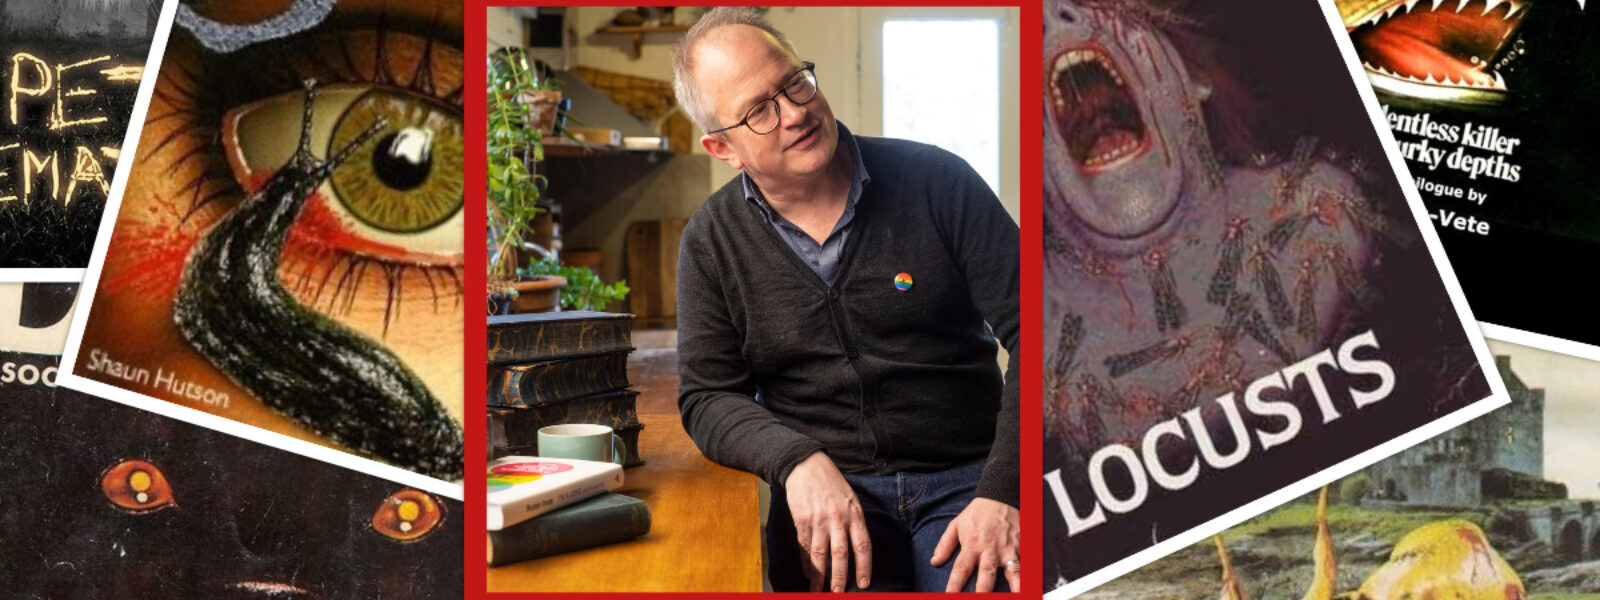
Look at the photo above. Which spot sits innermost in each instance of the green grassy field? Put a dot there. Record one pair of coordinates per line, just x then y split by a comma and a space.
1345, 520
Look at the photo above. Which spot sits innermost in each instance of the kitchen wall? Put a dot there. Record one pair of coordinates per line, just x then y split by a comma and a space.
831, 37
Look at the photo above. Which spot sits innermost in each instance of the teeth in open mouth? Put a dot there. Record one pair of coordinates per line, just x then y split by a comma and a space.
1499, 82
1067, 61
1111, 155
1485, 78
1489, 6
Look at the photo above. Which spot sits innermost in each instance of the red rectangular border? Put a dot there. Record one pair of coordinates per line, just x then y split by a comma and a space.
475, 356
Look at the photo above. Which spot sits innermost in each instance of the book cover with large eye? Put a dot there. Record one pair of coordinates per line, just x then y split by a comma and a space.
102, 500
288, 249
1502, 508
1492, 103
70, 71
1239, 301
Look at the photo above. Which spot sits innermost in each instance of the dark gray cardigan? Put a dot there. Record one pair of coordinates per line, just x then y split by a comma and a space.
774, 364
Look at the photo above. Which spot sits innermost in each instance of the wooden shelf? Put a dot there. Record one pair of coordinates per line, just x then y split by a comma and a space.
637, 33
562, 147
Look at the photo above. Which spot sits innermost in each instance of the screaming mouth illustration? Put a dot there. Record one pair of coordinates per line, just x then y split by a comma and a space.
1094, 111
1442, 49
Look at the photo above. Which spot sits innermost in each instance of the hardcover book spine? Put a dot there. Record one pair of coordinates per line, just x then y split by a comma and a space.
604, 520
544, 383
533, 341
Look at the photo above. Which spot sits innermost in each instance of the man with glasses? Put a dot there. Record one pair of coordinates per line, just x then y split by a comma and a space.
838, 309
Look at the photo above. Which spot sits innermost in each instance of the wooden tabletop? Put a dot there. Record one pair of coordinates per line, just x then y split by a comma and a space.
704, 534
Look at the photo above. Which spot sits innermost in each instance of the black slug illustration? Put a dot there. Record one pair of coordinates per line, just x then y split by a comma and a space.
233, 309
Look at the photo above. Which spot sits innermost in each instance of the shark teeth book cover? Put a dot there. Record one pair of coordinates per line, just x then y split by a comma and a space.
1492, 103
1239, 299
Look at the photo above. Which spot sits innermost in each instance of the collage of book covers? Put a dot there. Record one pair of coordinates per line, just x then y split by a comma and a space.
1144, 299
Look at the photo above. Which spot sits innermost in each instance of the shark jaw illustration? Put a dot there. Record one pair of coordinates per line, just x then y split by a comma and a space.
1443, 50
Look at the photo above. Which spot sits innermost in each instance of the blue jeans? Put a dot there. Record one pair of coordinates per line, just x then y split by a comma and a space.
906, 515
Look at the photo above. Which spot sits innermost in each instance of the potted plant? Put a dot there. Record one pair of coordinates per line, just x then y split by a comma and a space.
514, 143
584, 289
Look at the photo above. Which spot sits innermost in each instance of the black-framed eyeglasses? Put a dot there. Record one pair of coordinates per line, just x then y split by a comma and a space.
764, 117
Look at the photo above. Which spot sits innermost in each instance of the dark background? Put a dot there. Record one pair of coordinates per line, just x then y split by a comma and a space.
42, 232
244, 512
1528, 273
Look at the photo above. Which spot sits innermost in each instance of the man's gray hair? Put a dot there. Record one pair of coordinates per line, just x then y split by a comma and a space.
695, 105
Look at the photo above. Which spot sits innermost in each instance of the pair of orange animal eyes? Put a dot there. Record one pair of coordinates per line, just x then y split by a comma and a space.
138, 487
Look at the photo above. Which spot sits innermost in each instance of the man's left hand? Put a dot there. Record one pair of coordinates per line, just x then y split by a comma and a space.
987, 532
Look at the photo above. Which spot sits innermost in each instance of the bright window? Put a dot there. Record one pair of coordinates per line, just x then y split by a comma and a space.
941, 86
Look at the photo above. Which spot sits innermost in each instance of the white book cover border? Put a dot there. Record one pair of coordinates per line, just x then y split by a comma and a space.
1498, 396
506, 509
91, 278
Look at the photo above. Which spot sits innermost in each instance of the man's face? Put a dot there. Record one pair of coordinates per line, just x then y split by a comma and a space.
1122, 116
738, 67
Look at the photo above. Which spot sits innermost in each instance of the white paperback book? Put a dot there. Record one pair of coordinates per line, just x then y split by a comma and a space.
524, 487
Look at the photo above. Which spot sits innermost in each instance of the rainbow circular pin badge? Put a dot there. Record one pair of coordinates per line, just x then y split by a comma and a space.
902, 282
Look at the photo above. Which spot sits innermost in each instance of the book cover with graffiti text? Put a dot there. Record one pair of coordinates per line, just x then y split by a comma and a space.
70, 72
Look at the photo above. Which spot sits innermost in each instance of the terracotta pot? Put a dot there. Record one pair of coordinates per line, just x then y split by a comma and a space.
539, 293
542, 105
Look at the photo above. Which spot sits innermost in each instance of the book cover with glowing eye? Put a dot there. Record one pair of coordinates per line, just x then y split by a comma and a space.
1492, 103
1238, 299
70, 73
288, 252
102, 500
1502, 508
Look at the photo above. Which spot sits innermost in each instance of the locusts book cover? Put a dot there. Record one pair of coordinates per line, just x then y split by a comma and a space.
1239, 302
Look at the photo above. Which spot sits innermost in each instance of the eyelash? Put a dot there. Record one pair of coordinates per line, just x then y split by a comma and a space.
199, 107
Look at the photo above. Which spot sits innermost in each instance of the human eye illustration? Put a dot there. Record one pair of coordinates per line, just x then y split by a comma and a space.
296, 208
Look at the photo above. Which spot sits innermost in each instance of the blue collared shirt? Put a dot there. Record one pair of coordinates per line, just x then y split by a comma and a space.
822, 258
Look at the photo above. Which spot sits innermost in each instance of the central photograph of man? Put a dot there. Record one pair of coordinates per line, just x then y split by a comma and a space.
754, 299
839, 306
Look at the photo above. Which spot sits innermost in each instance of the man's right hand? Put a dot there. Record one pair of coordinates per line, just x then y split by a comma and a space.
829, 523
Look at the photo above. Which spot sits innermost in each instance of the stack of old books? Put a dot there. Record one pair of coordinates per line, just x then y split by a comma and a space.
560, 368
